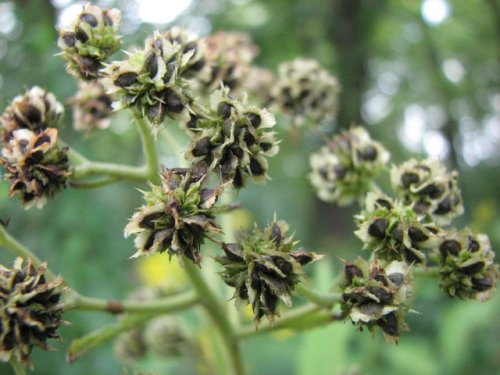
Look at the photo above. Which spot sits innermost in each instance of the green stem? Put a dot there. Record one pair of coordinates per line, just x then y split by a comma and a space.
14, 246
304, 317
118, 171
18, 368
75, 301
149, 149
215, 310
92, 184
319, 298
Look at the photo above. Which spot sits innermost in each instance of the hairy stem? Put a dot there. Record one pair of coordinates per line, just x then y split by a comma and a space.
118, 171
94, 183
149, 149
18, 368
215, 310
78, 302
14, 246
319, 298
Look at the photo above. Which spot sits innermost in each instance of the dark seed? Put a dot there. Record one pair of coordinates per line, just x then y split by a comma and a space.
483, 284
397, 233
233, 252
69, 39
396, 278
411, 256
202, 147
198, 65
238, 180
156, 113
107, 19
265, 146
378, 227
81, 35
409, 178
384, 203
421, 207
284, 266
389, 324
243, 292
384, 295
151, 64
32, 114
302, 257
443, 207
276, 234
369, 153
472, 268
149, 220
191, 124
417, 235
351, 271
224, 110
173, 101
256, 168
433, 191
149, 243
271, 300
126, 79
473, 245
89, 18
340, 171
449, 247
254, 119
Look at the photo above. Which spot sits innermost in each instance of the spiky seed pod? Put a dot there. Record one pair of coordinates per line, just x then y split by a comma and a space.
343, 170
373, 295
129, 346
229, 55
393, 231
263, 269
233, 139
467, 265
88, 42
36, 110
92, 107
306, 91
177, 217
258, 83
30, 310
36, 167
427, 186
151, 81
166, 337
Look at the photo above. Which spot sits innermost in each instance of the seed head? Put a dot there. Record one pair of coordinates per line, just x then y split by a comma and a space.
30, 310
426, 185
377, 296
88, 42
263, 269
36, 167
342, 171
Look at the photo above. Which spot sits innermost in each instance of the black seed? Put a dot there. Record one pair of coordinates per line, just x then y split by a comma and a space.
302, 257
409, 178
389, 324
249, 138
89, 67
284, 266
156, 113
378, 227
417, 235
449, 247
198, 65
340, 171
191, 46
472, 268
151, 64
421, 207
351, 271
397, 278
89, 18
149, 242
243, 292
443, 207
81, 35
483, 284
32, 114
107, 19
202, 147
224, 110
148, 221
233, 251
384, 295
126, 79
271, 300
191, 124
304, 94
276, 234
369, 153
433, 191
397, 233
265, 146
35, 157
256, 168
238, 180
473, 245
384, 203
238, 151
69, 39
173, 101
254, 119
411, 256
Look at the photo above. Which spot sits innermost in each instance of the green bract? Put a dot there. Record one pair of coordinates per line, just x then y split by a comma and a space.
344, 169
377, 296
264, 269
177, 218
89, 41
30, 310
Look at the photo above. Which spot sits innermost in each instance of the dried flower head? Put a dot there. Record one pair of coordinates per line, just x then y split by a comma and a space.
426, 185
233, 139
36, 167
344, 169
467, 265
30, 310
178, 216
36, 110
129, 346
264, 269
377, 296
88, 42
166, 337
393, 231
306, 91
153, 80
92, 107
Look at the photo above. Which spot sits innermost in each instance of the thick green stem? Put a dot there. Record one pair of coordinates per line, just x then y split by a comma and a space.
118, 171
216, 311
95, 183
75, 301
149, 149
18, 367
319, 298
14, 246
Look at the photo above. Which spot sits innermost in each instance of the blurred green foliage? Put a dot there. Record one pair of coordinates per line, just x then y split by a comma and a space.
393, 66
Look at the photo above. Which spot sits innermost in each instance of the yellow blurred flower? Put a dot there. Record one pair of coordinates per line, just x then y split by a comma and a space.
158, 271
